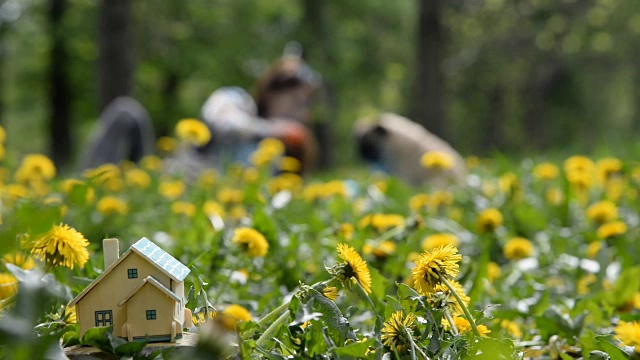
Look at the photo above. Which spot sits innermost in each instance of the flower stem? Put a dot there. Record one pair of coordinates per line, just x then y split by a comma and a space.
467, 314
272, 329
273, 314
450, 320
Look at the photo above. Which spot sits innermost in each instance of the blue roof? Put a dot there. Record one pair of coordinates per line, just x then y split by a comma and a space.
161, 258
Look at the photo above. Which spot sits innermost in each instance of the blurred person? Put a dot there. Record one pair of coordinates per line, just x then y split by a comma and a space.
237, 123
398, 146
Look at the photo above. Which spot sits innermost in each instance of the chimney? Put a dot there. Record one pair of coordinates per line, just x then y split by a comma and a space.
111, 250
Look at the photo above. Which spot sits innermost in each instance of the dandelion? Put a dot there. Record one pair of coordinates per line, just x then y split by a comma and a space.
3, 135
463, 326
284, 182
382, 222
578, 163
611, 229
518, 248
512, 328
353, 268
151, 163
489, 220
437, 240
629, 334
111, 205
437, 160
582, 287
230, 196
442, 261
20, 260
137, 178
34, 168
8, 285
237, 212
331, 292
251, 241
607, 168
290, 164
509, 183
602, 212
232, 315
212, 208
171, 189
166, 144
493, 271
345, 231
554, 196
545, 171
207, 178
384, 249
442, 297
418, 202
183, 208
250, 175
398, 331
70, 315
193, 131
593, 249
62, 245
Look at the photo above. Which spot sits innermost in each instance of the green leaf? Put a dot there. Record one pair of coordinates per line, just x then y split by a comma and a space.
130, 348
98, 337
615, 352
358, 349
379, 283
624, 288
392, 306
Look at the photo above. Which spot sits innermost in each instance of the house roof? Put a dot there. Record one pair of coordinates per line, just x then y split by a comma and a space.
154, 282
150, 251
174, 268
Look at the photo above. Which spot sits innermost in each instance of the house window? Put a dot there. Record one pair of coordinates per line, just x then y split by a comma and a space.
132, 273
151, 314
104, 318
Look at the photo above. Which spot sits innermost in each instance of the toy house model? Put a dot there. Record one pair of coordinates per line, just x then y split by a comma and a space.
140, 294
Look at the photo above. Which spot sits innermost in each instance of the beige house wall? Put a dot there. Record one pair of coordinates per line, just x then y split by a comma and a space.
113, 288
150, 298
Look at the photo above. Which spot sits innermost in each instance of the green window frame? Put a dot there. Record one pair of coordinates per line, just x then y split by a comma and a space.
132, 273
151, 314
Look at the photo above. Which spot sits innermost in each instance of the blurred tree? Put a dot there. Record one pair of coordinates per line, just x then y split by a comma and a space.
430, 90
59, 92
115, 54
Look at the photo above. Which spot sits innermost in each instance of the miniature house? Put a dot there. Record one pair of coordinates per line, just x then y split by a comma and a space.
140, 294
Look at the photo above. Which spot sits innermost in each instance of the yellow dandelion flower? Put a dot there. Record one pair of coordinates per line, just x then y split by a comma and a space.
554, 196
419, 202
518, 248
437, 160
489, 220
331, 292
212, 208
171, 189
111, 205
183, 208
355, 267
207, 178
35, 167
3, 135
284, 182
237, 212
250, 175
509, 183
137, 178
272, 146
436, 240
8, 285
442, 261
151, 163
346, 230
290, 164
70, 317
512, 328
166, 144
230, 196
442, 297
382, 222
15, 191
2, 152
545, 171
396, 331
493, 271
629, 334
193, 131
251, 241
232, 315
578, 163
593, 249
62, 245
103, 173
19, 259
582, 287
464, 326
612, 229
607, 168
602, 212
384, 249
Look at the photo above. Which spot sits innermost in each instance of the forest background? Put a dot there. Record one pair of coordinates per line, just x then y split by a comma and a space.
491, 76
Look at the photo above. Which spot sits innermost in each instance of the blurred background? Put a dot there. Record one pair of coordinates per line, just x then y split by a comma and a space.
490, 76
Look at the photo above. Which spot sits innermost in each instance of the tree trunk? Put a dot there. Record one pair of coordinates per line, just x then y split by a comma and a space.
115, 58
59, 93
317, 47
429, 106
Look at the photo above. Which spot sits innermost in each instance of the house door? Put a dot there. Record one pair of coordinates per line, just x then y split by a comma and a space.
104, 318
